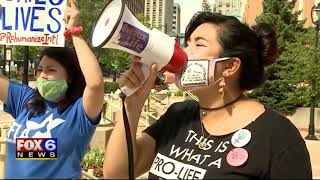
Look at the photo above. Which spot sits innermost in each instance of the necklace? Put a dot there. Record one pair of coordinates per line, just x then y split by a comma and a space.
204, 113
203, 143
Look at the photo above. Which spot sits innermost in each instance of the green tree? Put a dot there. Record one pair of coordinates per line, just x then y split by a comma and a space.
207, 6
287, 81
1, 55
117, 60
214, 8
1, 59
305, 68
89, 13
145, 21
34, 52
280, 14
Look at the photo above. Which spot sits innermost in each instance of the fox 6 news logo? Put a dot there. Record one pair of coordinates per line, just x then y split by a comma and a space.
36, 148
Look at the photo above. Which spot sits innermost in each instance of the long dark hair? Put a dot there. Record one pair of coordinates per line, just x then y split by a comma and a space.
76, 82
256, 47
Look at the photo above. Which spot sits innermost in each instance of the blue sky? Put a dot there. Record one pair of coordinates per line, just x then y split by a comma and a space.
188, 9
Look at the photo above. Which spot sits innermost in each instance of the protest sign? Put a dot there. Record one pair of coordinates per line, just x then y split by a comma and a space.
32, 22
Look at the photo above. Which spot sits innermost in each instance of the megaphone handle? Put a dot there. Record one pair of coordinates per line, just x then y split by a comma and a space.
127, 91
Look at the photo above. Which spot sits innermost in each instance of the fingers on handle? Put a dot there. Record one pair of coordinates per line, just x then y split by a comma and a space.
136, 59
152, 76
129, 79
125, 81
137, 70
132, 78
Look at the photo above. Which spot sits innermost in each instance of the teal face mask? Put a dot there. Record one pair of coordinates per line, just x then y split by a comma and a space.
52, 89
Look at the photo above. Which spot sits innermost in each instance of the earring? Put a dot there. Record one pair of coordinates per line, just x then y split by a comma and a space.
222, 84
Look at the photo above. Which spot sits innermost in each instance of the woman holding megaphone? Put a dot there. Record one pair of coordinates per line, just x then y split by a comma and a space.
55, 122
223, 135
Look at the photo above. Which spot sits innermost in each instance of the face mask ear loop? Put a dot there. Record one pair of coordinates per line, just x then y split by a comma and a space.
215, 63
219, 60
215, 82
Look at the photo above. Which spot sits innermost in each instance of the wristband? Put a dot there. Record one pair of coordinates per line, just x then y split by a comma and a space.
73, 30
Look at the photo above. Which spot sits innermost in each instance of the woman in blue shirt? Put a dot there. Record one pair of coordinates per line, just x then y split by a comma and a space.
66, 105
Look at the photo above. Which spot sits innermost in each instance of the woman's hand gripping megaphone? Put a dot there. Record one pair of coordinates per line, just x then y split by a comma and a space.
138, 81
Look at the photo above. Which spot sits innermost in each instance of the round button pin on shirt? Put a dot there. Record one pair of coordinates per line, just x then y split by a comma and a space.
241, 138
237, 157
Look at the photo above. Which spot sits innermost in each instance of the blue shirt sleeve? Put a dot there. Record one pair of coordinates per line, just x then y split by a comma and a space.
84, 124
18, 96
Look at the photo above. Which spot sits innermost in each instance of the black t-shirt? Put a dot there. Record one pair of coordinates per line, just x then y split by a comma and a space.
275, 150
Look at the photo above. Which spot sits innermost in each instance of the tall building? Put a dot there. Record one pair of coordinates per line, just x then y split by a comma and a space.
254, 8
230, 7
135, 6
176, 18
160, 14
305, 8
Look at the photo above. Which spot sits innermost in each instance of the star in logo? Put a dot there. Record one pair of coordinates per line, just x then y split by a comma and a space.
50, 124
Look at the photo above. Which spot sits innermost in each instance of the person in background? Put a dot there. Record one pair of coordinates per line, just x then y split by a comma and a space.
65, 105
224, 135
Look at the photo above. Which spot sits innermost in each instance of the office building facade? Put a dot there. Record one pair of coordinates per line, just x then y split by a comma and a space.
176, 18
160, 14
135, 6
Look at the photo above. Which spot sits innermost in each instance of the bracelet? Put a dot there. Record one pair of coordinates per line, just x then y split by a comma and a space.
73, 30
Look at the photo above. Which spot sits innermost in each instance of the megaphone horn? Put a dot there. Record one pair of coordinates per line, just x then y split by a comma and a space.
117, 28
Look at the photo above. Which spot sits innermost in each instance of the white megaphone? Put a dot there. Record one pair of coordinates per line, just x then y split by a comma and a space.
117, 28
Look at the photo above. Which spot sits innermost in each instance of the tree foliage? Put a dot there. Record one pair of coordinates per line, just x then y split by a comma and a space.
207, 7
287, 83
1, 55
280, 14
306, 66
34, 52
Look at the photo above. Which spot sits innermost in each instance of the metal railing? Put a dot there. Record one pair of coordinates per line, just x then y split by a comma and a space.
88, 175
192, 96
112, 104
152, 110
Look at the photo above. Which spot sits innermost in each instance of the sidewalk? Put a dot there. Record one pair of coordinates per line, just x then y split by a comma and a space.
314, 150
